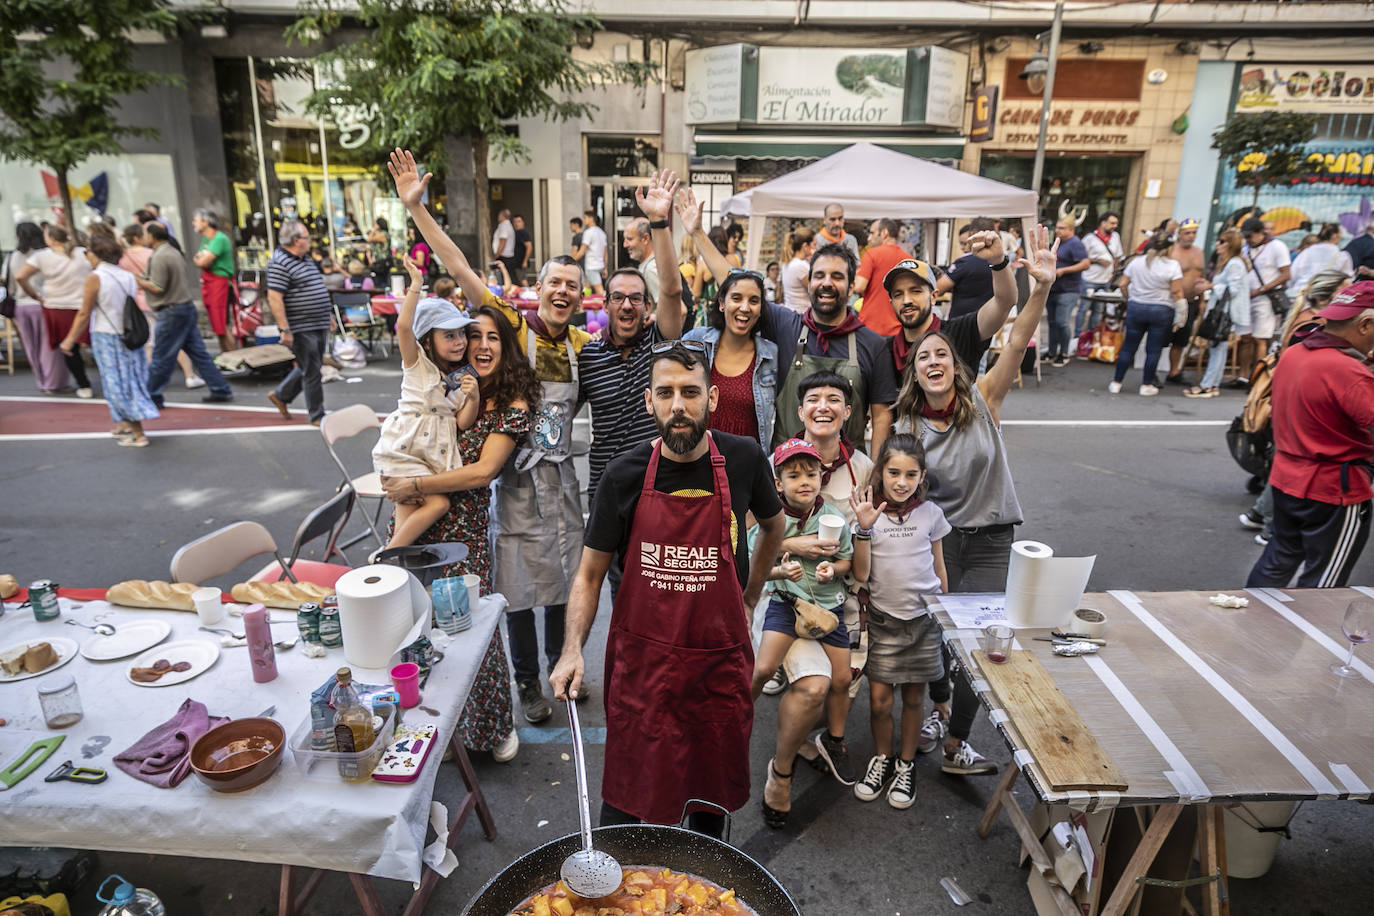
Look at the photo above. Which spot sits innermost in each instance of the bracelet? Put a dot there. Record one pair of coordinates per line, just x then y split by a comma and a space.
862, 537
1006, 259
862, 532
658, 224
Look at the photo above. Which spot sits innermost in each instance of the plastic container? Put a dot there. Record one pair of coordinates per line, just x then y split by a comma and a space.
60, 702
267, 334
324, 765
127, 900
1249, 853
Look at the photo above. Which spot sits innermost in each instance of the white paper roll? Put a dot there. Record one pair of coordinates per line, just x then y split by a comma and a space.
1088, 622
375, 613
1044, 590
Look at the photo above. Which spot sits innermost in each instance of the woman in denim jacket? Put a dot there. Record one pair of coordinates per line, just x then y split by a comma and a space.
1230, 279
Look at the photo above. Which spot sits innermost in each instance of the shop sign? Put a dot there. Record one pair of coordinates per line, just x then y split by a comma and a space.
1092, 125
1336, 167
1313, 88
1339, 187
984, 126
712, 178
714, 77
621, 156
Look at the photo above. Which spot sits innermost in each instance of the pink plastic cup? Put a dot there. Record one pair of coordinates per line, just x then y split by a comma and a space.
405, 677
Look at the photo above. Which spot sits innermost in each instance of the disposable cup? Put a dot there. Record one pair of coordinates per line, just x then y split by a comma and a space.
208, 605
829, 527
405, 677
474, 585
997, 642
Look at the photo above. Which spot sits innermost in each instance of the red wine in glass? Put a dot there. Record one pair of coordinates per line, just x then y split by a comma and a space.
1358, 626
997, 657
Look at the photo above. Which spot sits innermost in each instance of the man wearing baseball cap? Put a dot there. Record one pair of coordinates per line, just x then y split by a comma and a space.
910, 285
1189, 257
1323, 411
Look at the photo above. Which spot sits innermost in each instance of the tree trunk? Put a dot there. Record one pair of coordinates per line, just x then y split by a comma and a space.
468, 221
482, 195
1254, 201
65, 191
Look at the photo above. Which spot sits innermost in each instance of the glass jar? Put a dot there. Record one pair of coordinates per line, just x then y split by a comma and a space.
60, 702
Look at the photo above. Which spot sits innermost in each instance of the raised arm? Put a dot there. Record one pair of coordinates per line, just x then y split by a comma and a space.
657, 205
410, 187
993, 313
690, 209
405, 319
1041, 267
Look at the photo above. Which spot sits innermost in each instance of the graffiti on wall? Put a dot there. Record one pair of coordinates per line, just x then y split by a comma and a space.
1338, 188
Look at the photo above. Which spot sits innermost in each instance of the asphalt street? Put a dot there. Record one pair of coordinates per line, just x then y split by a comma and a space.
1144, 483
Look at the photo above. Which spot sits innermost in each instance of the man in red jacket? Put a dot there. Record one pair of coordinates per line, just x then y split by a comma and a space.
1323, 414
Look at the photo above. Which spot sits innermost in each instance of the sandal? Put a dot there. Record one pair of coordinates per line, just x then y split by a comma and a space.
1197, 391
777, 797
131, 441
121, 429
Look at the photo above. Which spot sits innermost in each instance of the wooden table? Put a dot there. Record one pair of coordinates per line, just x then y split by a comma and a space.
1197, 706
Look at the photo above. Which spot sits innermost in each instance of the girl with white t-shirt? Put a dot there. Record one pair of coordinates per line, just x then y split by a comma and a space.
801, 244
1155, 308
902, 564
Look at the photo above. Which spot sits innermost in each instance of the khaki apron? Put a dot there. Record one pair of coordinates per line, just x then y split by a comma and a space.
803, 364
539, 502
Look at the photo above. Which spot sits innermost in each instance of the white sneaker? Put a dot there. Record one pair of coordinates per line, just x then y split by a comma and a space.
775, 684
1113, 387
901, 794
875, 780
506, 750
1148, 391
195, 381
85, 393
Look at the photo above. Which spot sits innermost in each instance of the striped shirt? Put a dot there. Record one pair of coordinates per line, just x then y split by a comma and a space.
308, 305
614, 387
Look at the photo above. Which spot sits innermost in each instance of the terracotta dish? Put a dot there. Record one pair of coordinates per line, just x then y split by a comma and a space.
239, 754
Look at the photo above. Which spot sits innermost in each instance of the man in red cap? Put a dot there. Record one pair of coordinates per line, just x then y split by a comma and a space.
1323, 413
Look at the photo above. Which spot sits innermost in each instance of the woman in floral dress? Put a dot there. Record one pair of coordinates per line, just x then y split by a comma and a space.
510, 392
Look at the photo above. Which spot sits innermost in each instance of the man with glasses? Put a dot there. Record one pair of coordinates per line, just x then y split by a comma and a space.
302, 309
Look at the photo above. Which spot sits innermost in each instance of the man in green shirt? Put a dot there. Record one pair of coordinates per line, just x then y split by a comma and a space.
215, 258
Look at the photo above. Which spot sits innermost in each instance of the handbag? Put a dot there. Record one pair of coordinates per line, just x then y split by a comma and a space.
1215, 325
1106, 344
8, 304
135, 325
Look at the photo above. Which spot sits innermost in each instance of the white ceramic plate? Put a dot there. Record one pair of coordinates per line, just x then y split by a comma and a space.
199, 652
65, 649
129, 639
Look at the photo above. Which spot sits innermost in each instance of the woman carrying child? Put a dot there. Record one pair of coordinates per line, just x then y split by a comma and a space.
899, 555
420, 437
820, 581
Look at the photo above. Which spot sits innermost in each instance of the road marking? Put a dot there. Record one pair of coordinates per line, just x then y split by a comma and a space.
1116, 423
160, 433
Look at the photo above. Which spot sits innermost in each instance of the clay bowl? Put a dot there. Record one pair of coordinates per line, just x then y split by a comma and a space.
239, 754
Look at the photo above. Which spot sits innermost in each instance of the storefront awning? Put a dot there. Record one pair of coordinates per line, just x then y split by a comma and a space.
813, 146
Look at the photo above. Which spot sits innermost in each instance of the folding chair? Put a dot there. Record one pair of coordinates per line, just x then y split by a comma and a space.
343, 424
220, 551
353, 313
328, 519
10, 338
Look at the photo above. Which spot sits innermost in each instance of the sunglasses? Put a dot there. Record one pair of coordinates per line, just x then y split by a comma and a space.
663, 346
749, 274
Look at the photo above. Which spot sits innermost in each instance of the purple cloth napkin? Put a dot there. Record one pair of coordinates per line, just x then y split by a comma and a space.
163, 756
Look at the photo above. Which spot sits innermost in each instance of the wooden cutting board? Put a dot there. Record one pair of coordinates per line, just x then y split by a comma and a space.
1066, 752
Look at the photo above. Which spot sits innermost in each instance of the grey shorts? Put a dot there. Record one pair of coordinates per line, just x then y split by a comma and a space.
591, 277
903, 651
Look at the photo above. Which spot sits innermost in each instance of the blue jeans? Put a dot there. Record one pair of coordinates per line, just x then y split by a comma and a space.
1089, 311
177, 331
1154, 323
1061, 324
1216, 365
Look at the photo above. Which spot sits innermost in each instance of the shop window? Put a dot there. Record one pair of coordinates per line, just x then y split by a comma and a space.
1083, 186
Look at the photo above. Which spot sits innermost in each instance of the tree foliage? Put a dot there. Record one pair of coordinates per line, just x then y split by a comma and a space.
63, 66
1266, 148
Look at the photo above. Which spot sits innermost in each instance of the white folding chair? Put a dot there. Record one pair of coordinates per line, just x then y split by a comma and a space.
220, 551
343, 424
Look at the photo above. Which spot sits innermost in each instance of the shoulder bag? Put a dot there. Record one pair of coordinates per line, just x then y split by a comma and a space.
135, 333
8, 303
1215, 325
1278, 296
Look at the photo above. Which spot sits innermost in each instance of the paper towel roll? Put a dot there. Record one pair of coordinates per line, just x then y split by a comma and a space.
376, 611
1044, 590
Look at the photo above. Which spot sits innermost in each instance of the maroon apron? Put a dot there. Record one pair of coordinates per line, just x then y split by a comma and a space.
679, 659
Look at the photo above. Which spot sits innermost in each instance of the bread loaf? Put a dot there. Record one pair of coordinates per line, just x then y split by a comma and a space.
9, 587
279, 594
174, 596
39, 656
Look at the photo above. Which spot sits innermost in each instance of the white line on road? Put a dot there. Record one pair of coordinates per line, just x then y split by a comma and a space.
1116, 423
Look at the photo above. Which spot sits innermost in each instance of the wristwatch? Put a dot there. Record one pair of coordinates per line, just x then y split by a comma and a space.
658, 224
1006, 259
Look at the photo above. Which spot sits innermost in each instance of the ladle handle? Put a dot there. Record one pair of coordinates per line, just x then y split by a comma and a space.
580, 762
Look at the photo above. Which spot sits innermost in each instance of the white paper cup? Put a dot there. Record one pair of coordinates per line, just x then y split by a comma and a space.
208, 605
474, 585
829, 527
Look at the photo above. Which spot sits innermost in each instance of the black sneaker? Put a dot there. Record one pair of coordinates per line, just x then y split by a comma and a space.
217, 398
536, 708
837, 756
876, 779
1250, 519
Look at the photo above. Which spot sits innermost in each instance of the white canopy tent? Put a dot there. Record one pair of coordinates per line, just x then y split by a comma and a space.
871, 182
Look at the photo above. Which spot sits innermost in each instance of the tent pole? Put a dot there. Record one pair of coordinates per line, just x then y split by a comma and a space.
1039, 173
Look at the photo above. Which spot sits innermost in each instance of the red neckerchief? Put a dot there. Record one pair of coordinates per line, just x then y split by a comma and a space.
1323, 340
846, 449
901, 348
939, 413
1105, 239
904, 509
801, 517
824, 333
540, 328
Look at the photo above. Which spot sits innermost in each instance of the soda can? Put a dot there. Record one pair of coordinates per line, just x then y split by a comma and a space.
43, 600
308, 621
331, 633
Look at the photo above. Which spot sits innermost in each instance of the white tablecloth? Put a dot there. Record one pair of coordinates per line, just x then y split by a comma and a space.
370, 828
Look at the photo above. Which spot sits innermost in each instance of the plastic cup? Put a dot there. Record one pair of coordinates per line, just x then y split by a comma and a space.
829, 527
474, 585
208, 605
405, 677
997, 642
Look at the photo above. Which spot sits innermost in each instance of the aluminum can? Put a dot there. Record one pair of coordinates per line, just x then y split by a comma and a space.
308, 621
331, 633
43, 600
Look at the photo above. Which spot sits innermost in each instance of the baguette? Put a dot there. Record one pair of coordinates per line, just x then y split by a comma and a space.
174, 596
279, 594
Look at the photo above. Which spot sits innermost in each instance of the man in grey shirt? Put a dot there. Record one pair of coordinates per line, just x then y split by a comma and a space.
169, 296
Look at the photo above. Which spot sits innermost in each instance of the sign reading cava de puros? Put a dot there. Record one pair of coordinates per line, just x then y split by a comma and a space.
1317, 88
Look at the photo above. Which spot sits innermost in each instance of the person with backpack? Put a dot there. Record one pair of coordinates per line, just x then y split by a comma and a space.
1323, 413
1228, 312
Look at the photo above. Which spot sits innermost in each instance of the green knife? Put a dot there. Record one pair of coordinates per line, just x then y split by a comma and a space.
29, 761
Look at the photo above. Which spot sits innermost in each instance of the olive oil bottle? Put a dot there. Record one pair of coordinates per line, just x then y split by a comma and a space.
353, 732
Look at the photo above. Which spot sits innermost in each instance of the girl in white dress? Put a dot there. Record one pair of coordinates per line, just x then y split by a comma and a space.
438, 398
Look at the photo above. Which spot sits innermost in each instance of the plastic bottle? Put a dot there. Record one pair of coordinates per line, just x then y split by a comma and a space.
353, 732
258, 633
127, 900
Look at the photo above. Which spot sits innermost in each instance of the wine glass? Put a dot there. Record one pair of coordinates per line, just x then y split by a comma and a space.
1358, 626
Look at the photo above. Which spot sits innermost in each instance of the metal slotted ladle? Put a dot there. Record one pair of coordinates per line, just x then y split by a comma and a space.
587, 872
